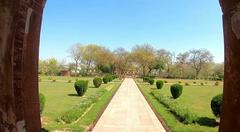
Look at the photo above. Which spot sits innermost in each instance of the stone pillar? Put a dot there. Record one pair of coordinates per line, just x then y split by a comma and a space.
20, 23
230, 116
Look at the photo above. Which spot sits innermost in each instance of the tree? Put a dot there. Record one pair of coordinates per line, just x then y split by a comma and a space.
165, 57
199, 58
122, 60
76, 55
182, 64
53, 67
143, 55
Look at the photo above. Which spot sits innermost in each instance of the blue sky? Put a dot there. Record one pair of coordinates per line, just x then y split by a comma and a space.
177, 25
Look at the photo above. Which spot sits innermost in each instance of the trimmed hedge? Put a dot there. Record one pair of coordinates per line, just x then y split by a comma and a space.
77, 111
105, 79
183, 113
151, 81
97, 82
176, 90
42, 101
216, 104
159, 84
81, 87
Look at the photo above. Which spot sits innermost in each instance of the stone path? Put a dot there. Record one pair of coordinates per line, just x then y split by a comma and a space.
128, 111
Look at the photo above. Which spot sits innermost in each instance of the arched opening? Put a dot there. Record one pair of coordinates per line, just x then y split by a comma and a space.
20, 30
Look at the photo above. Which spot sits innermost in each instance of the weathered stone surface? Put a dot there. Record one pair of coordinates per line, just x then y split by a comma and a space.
20, 23
230, 118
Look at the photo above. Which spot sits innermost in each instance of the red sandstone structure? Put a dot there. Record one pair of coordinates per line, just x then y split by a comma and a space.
20, 24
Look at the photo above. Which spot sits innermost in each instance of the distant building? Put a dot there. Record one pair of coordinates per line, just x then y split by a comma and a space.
65, 72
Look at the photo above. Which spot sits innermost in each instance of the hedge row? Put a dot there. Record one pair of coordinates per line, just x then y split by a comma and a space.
181, 112
109, 78
77, 111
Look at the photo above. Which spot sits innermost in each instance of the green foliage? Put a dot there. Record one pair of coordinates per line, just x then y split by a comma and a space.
187, 84
81, 87
183, 113
97, 82
42, 101
54, 80
217, 83
159, 84
194, 82
202, 84
105, 79
179, 82
151, 81
69, 81
176, 90
165, 81
216, 104
77, 111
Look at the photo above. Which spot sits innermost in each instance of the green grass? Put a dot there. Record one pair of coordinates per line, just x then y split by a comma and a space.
61, 96
196, 97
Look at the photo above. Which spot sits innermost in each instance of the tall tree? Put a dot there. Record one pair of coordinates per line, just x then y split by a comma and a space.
122, 60
166, 57
143, 55
198, 58
76, 55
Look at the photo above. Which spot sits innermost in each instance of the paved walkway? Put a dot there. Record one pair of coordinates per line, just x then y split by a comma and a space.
128, 111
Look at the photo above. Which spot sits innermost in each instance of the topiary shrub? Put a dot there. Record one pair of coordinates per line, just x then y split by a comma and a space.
179, 82
187, 84
151, 81
97, 82
105, 79
42, 101
54, 80
217, 83
165, 81
159, 84
194, 82
176, 90
69, 81
146, 79
216, 104
81, 87
202, 84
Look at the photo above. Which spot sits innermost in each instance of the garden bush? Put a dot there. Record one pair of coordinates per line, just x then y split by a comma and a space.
217, 83
54, 80
176, 90
105, 79
216, 104
179, 82
194, 82
151, 81
42, 101
97, 82
69, 81
182, 113
81, 87
202, 84
187, 84
165, 81
159, 84
77, 111
146, 79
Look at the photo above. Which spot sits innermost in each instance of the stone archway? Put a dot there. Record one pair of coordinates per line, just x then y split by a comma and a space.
20, 24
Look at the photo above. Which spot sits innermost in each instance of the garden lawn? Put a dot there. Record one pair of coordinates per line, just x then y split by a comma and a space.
195, 97
61, 96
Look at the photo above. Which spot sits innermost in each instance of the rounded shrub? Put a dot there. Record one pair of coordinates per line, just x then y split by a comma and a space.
151, 81
202, 84
81, 87
54, 80
217, 83
216, 104
179, 82
165, 81
42, 101
176, 90
97, 82
69, 81
159, 84
187, 84
105, 79
194, 82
